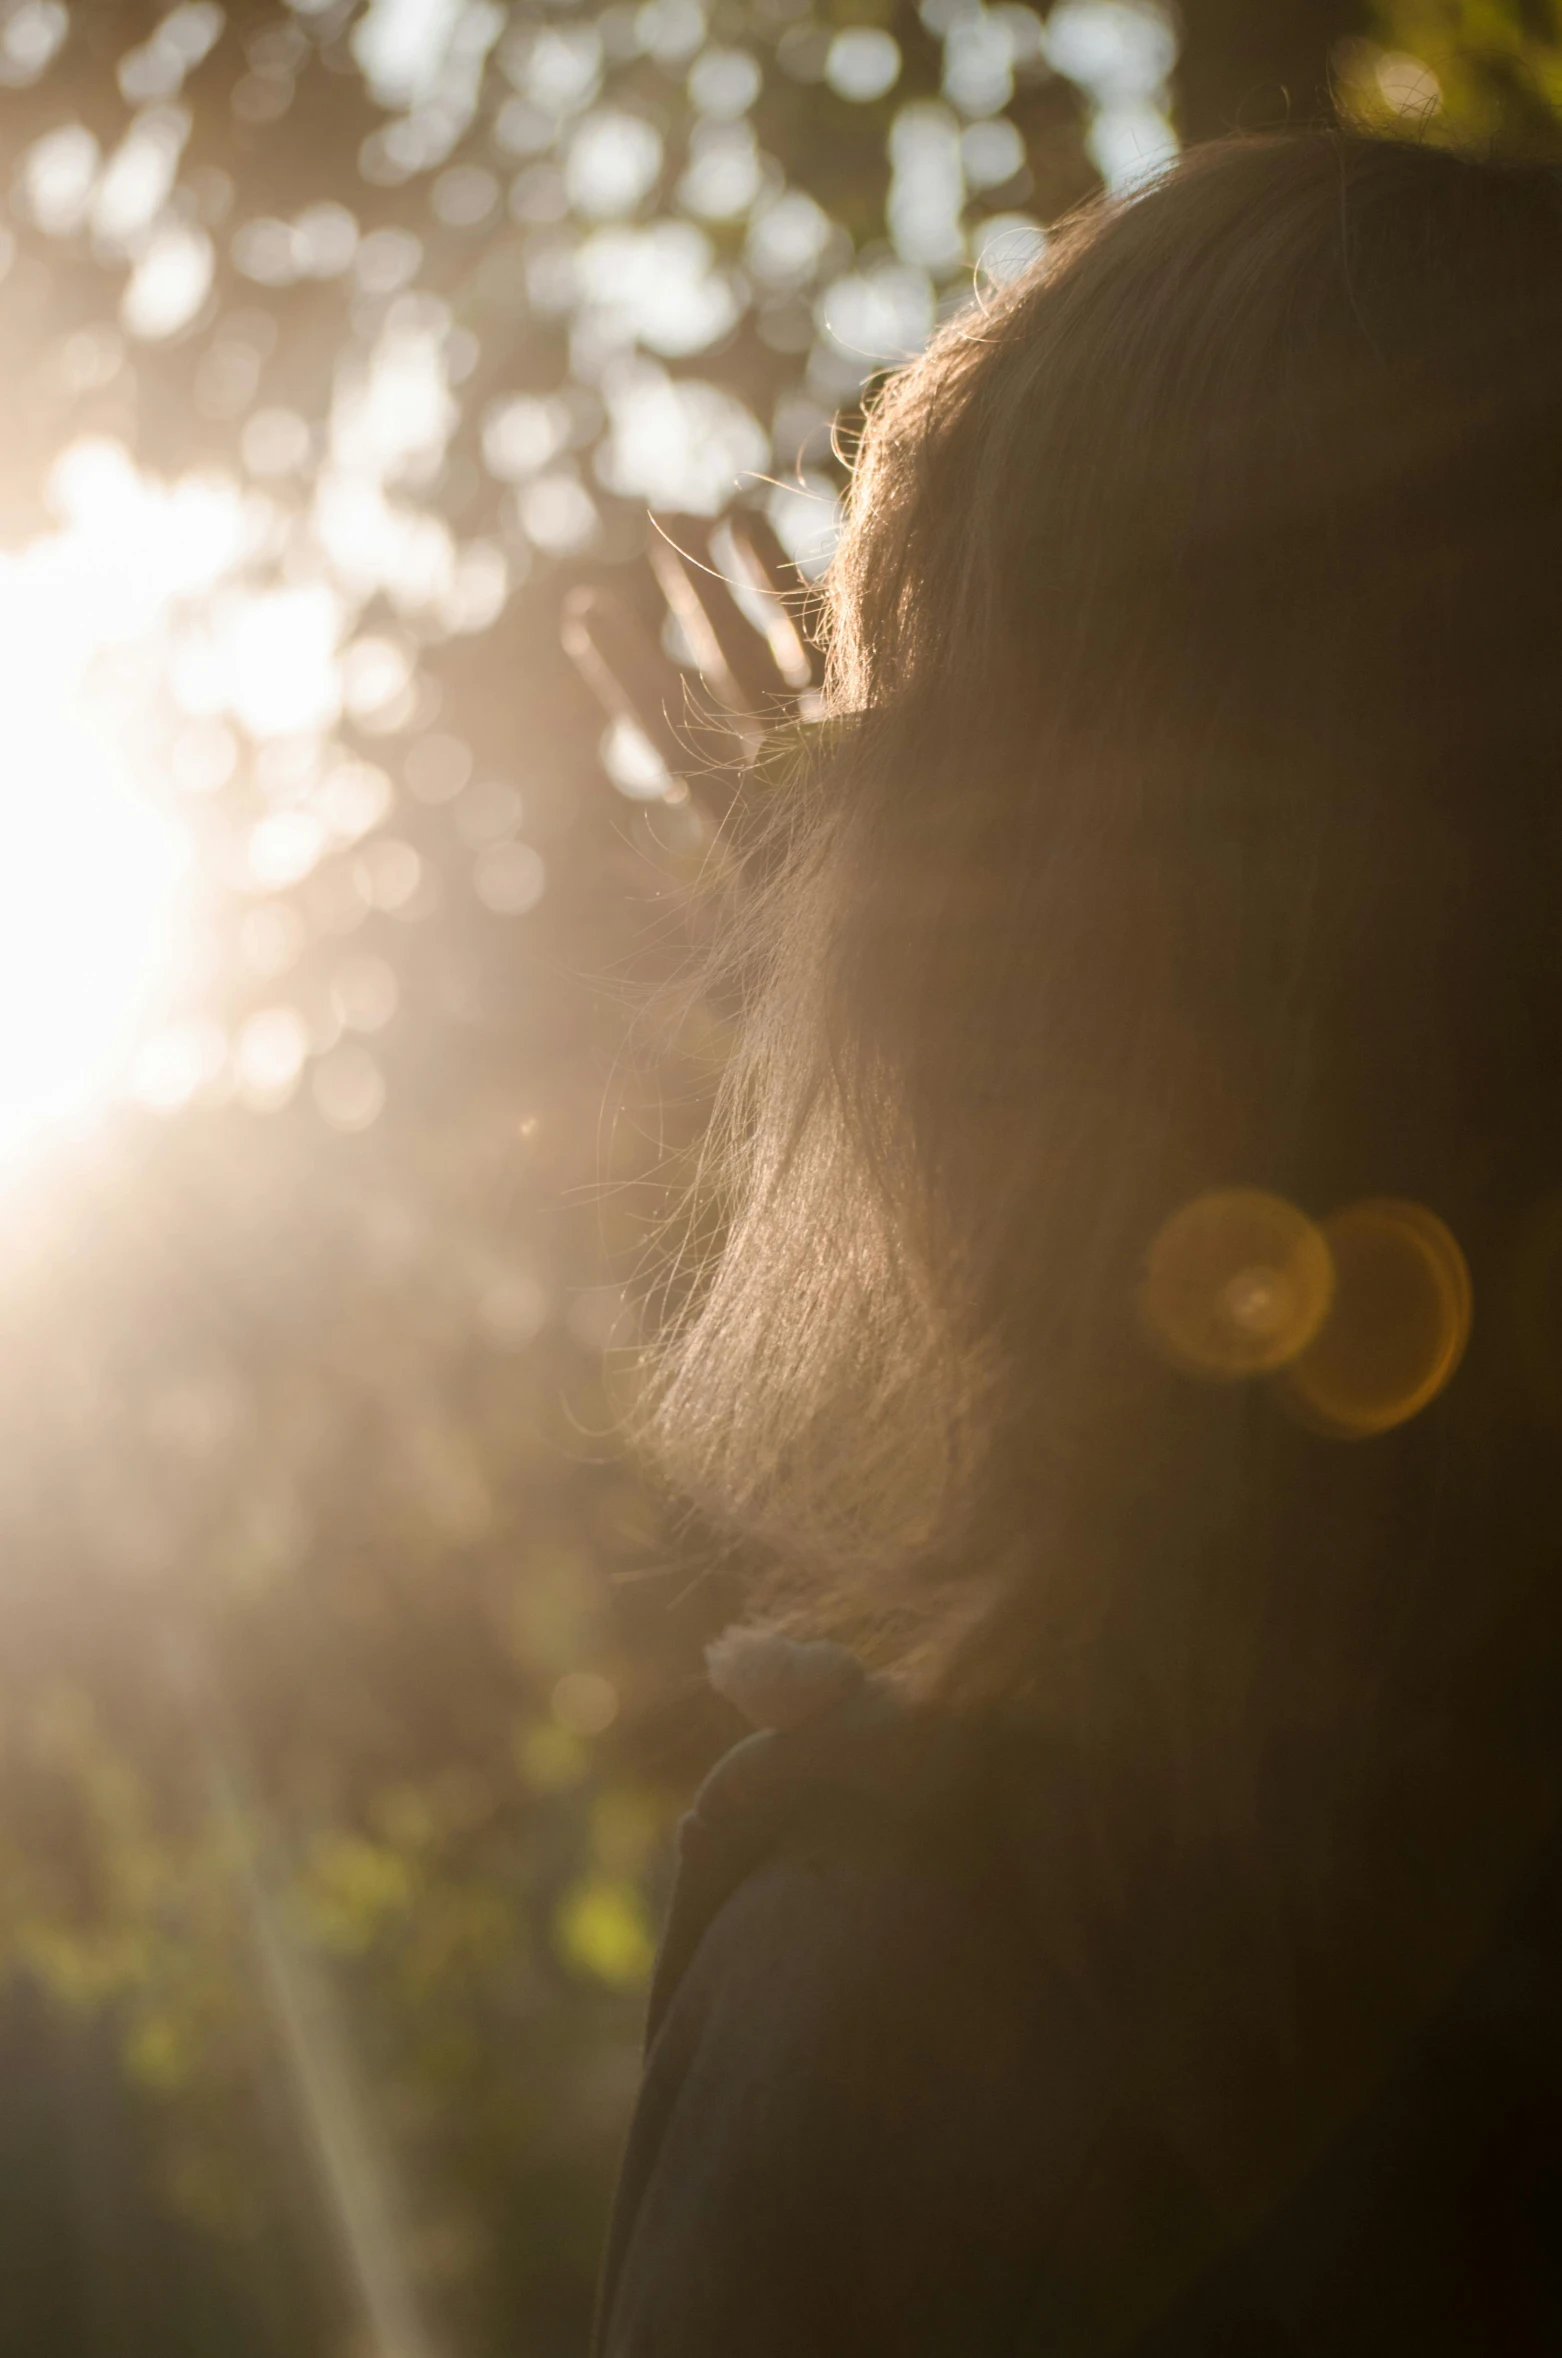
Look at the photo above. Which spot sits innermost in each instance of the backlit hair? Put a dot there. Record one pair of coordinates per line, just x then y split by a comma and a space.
1188, 817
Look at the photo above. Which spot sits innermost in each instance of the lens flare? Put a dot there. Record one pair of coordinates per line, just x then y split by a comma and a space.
1236, 1284
1398, 1326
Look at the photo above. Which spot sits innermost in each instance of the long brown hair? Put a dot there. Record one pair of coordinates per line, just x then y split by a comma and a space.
1189, 816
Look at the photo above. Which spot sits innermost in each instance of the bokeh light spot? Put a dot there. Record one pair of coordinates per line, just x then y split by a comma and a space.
271, 1052
437, 767
29, 39
863, 62
58, 177
465, 197
349, 1088
512, 1309
365, 992
354, 798
1237, 1283
508, 878
585, 1702
488, 810
724, 82
992, 152
172, 1066
1398, 1325
392, 873
272, 938
613, 161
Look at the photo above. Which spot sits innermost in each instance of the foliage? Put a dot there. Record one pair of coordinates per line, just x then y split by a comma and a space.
1481, 73
340, 1724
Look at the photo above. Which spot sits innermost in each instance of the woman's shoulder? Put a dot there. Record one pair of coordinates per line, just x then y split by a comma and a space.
864, 2098
856, 1833
844, 1807
883, 2109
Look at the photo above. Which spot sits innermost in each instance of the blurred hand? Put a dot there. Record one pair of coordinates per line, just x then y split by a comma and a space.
730, 588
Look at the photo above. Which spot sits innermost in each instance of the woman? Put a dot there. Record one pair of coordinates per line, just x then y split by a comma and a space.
1151, 1026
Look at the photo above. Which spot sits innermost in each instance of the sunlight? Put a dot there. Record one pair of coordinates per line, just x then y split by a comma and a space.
89, 874
90, 871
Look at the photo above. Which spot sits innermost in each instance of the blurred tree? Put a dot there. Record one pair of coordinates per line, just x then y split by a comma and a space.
1482, 72
335, 1757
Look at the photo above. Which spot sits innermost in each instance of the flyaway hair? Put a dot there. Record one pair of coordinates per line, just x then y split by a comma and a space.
1189, 818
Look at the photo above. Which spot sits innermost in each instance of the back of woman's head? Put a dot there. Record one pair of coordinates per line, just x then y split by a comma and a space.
1188, 820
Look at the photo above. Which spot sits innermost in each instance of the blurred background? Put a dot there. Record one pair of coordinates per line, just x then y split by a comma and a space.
349, 1681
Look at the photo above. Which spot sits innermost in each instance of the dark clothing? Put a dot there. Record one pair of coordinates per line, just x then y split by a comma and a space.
881, 2119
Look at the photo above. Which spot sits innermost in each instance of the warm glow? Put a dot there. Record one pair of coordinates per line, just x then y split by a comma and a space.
89, 874
90, 871
1237, 1283
1398, 1327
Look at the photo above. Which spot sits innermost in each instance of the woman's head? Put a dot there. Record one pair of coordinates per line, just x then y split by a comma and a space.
1191, 820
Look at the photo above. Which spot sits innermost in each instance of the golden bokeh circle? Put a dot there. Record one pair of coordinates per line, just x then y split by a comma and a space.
1398, 1326
1236, 1284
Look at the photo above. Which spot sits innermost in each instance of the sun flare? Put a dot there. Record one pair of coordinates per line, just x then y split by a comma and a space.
89, 883
91, 872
